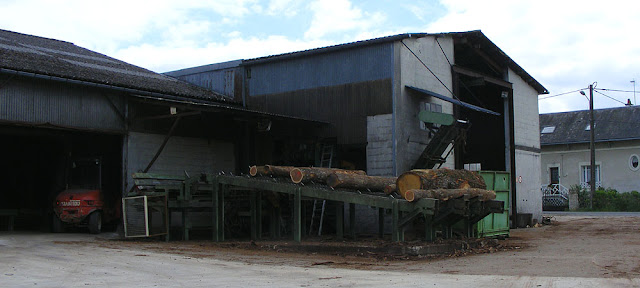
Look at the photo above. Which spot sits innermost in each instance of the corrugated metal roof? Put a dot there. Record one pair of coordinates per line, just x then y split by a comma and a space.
475, 36
49, 57
612, 124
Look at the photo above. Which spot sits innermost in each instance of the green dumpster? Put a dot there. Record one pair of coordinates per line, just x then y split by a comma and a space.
495, 224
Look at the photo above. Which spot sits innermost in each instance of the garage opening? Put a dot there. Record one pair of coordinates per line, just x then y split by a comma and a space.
485, 141
36, 167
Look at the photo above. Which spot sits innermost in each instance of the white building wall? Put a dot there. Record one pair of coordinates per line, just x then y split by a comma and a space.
613, 158
410, 140
527, 141
193, 155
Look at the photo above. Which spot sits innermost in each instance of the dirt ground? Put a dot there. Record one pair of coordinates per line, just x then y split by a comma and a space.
573, 251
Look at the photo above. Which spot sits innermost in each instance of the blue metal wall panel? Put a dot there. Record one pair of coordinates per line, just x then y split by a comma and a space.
220, 81
359, 64
40, 102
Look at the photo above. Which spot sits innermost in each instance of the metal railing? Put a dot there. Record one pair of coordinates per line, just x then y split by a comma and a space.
587, 185
555, 195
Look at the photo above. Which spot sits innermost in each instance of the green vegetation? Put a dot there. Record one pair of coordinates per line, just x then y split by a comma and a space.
608, 200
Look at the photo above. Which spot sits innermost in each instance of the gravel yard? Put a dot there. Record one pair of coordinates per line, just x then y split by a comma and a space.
574, 251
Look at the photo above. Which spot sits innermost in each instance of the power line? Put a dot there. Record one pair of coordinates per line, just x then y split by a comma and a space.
432, 73
613, 90
614, 99
565, 93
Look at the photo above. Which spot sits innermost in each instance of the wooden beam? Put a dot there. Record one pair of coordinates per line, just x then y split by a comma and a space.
470, 73
164, 143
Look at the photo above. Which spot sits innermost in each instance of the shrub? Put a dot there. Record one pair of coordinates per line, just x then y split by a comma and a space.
608, 199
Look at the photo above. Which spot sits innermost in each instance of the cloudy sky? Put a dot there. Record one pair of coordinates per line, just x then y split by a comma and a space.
565, 45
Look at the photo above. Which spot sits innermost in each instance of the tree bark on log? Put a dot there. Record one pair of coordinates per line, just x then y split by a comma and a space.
429, 179
270, 170
390, 188
446, 194
318, 174
355, 181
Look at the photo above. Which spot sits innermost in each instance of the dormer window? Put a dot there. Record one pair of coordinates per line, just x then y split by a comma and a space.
548, 129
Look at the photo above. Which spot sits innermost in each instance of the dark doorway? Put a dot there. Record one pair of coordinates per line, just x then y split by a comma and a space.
554, 175
485, 141
35, 170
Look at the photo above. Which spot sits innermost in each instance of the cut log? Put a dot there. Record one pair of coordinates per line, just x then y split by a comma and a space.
390, 188
361, 182
318, 174
270, 170
280, 171
446, 194
438, 179
258, 171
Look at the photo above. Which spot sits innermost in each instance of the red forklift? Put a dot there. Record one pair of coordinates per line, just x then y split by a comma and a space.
84, 203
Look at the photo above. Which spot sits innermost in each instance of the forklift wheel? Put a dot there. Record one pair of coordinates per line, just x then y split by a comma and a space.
95, 222
57, 226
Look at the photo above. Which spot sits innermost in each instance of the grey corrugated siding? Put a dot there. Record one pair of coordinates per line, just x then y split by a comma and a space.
345, 106
221, 81
39, 102
346, 66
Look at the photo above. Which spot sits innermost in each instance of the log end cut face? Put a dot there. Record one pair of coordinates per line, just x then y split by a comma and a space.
296, 175
408, 181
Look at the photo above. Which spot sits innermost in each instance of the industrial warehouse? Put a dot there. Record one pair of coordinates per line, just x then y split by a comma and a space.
341, 143
378, 106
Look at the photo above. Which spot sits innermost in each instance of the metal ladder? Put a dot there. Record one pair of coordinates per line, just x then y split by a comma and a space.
326, 159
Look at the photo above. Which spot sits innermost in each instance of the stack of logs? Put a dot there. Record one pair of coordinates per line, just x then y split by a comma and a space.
441, 184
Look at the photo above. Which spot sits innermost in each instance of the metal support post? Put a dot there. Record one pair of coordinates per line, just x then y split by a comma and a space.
297, 215
215, 225
395, 223
254, 217
428, 228
381, 222
340, 220
352, 220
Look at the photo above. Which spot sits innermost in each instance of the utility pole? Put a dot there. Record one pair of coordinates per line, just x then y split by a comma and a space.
593, 148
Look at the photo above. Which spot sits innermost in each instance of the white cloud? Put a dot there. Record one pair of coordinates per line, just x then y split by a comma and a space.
287, 8
175, 58
563, 45
107, 27
338, 16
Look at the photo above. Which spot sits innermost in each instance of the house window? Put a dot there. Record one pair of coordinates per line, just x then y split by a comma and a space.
633, 162
585, 175
431, 107
554, 175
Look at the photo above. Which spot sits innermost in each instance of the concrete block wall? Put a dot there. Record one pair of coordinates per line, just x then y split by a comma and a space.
193, 155
410, 138
379, 145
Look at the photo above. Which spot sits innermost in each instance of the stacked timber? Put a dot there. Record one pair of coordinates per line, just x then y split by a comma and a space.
270, 170
360, 182
333, 177
441, 184
446, 194
318, 174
